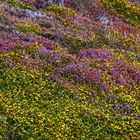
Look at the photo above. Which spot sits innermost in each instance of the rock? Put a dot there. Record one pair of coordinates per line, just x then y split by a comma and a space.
104, 20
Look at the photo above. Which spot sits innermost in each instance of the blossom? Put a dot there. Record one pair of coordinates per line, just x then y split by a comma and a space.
71, 66
43, 51
96, 54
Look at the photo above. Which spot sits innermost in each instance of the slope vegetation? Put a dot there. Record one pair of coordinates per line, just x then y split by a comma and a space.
66, 76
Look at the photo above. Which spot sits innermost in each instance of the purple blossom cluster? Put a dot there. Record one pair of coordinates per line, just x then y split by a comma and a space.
96, 54
10, 62
124, 109
79, 65
25, 43
43, 51
6, 46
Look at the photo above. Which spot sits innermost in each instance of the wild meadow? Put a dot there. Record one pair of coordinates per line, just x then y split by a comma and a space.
70, 72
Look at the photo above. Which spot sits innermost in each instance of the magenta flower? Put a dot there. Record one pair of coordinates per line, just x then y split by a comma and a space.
25, 44
71, 66
2, 44
6, 46
95, 54
10, 62
43, 51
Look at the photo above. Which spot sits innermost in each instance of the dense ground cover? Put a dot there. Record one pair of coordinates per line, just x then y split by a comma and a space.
68, 75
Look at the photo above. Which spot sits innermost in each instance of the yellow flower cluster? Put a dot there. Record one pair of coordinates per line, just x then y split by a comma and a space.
61, 11
22, 5
35, 28
124, 9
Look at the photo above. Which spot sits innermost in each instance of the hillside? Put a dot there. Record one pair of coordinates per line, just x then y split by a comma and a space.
70, 72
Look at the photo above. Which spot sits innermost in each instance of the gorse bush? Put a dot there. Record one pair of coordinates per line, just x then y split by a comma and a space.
30, 28
61, 10
39, 109
20, 4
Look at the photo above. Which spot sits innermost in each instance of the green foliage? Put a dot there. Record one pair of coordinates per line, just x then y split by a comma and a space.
74, 44
128, 12
33, 108
22, 5
1, 13
30, 28
61, 11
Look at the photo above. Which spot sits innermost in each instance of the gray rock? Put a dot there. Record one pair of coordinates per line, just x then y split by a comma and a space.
104, 20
